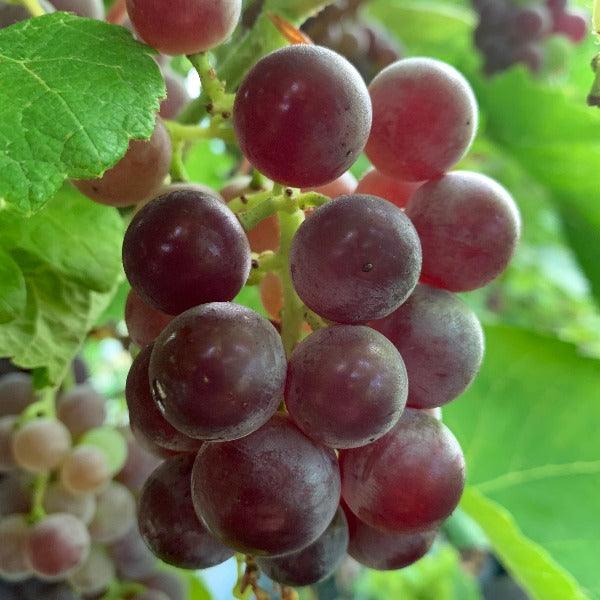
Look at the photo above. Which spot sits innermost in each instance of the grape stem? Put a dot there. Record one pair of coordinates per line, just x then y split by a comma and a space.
34, 7
219, 101
178, 170
193, 133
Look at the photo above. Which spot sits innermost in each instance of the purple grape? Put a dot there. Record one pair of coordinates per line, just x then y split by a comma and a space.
410, 480
139, 465
314, 563
186, 248
95, 575
168, 522
144, 415
144, 322
302, 115
132, 558
184, 26
115, 514
57, 545
7, 460
15, 493
81, 409
57, 499
424, 119
271, 492
167, 582
218, 371
16, 393
385, 551
177, 95
441, 342
346, 386
469, 227
355, 259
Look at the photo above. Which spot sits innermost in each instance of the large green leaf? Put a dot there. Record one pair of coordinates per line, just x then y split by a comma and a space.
528, 427
68, 259
72, 93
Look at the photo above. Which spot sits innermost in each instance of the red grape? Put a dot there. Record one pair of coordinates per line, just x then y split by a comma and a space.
218, 371
315, 562
177, 95
168, 583
271, 295
302, 115
395, 191
573, 24
183, 541
144, 322
132, 557
355, 259
58, 499
81, 409
186, 248
409, 480
384, 550
139, 465
469, 227
346, 386
343, 185
266, 235
7, 459
271, 492
144, 414
184, 26
424, 119
137, 176
57, 545
441, 342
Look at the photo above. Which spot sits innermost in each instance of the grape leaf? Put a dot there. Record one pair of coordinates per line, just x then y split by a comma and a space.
13, 288
528, 427
69, 260
73, 92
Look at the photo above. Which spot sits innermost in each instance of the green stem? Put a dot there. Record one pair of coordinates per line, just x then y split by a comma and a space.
252, 216
314, 320
178, 170
40, 484
262, 264
34, 7
193, 133
292, 315
220, 102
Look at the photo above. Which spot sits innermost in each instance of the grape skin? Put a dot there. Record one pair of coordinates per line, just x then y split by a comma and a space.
57, 499
441, 342
177, 95
7, 459
41, 445
314, 563
302, 115
81, 409
137, 176
393, 190
132, 558
15, 493
14, 533
218, 371
139, 465
144, 414
424, 119
410, 480
184, 26
85, 470
184, 542
469, 227
168, 583
247, 491
16, 393
186, 232
385, 551
95, 574
57, 545
345, 184
355, 259
144, 322
346, 386
115, 514
271, 295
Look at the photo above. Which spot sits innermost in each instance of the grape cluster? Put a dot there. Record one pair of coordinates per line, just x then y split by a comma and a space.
67, 499
509, 33
356, 459
341, 27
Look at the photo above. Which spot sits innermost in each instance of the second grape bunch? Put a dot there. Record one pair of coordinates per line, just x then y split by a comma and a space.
316, 435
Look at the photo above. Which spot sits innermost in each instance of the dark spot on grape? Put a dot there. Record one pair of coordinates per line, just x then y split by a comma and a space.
255, 264
367, 267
